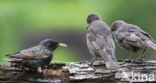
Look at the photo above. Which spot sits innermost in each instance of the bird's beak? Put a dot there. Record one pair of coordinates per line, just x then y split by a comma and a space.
62, 45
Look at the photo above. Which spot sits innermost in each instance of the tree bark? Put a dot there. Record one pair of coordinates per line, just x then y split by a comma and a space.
81, 72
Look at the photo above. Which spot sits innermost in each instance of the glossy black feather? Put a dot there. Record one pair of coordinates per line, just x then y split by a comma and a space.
37, 56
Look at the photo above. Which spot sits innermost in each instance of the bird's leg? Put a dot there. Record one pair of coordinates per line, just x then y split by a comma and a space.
142, 55
39, 70
92, 61
130, 57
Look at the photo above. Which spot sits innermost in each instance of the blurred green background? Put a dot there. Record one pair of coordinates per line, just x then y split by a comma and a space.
24, 23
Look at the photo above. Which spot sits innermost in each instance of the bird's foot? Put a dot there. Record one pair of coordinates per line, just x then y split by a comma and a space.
141, 57
128, 60
139, 60
91, 64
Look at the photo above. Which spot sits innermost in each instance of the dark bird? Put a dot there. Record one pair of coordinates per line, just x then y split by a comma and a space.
132, 38
100, 42
37, 56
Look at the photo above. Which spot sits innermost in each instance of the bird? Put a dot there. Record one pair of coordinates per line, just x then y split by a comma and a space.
35, 57
100, 41
132, 38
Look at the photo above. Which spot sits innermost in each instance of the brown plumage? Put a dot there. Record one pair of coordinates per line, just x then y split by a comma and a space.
100, 42
132, 38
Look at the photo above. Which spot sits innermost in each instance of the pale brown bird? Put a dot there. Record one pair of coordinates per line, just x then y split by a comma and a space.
100, 42
132, 38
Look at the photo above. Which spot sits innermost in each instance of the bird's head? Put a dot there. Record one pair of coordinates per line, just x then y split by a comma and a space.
51, 44
116, 25
92, 17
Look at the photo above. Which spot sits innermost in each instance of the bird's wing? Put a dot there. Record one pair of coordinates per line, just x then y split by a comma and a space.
142, 34
146, 34
92, 37
131, 36
97, 41
96, 46
134, 40
147, 39
27, 54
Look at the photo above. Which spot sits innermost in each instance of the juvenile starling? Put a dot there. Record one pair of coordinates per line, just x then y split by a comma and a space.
132, 38
100, 42
36, 57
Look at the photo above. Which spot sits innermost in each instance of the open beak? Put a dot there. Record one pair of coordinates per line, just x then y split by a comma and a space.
62, 45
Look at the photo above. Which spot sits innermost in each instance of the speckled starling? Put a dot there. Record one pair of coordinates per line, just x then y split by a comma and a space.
36, 57
132, 38
100, 41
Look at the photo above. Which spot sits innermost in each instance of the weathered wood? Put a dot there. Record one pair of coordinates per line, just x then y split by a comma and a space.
81, 72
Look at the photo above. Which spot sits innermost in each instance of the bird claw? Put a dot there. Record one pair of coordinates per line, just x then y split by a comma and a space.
91, 64
139, 61
128, 60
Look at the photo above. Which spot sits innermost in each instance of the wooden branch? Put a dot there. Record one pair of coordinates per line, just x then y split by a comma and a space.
59, 72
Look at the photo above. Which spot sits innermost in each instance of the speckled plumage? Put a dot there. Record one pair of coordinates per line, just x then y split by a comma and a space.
100, 42
37, 56
132, 38
37, 51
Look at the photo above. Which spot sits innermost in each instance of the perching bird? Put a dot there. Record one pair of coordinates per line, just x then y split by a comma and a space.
36, 57
100, 42
132, 38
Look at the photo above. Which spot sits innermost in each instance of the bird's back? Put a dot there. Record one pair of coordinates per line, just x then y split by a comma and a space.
37, 51
100, 32
131, 37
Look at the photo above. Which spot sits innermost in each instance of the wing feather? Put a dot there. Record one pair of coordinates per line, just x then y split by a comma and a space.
27, 54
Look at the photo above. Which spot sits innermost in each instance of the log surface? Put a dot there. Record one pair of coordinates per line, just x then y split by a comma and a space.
81, 72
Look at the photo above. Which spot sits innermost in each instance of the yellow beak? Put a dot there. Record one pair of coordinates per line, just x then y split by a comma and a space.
62, 45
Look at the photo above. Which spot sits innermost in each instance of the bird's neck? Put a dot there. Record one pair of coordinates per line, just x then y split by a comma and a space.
50, 49
53, 48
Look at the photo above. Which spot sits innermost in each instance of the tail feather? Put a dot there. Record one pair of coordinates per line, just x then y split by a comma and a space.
25, 56
112, 65
151, 44
110, 60
12, 60
12, 55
